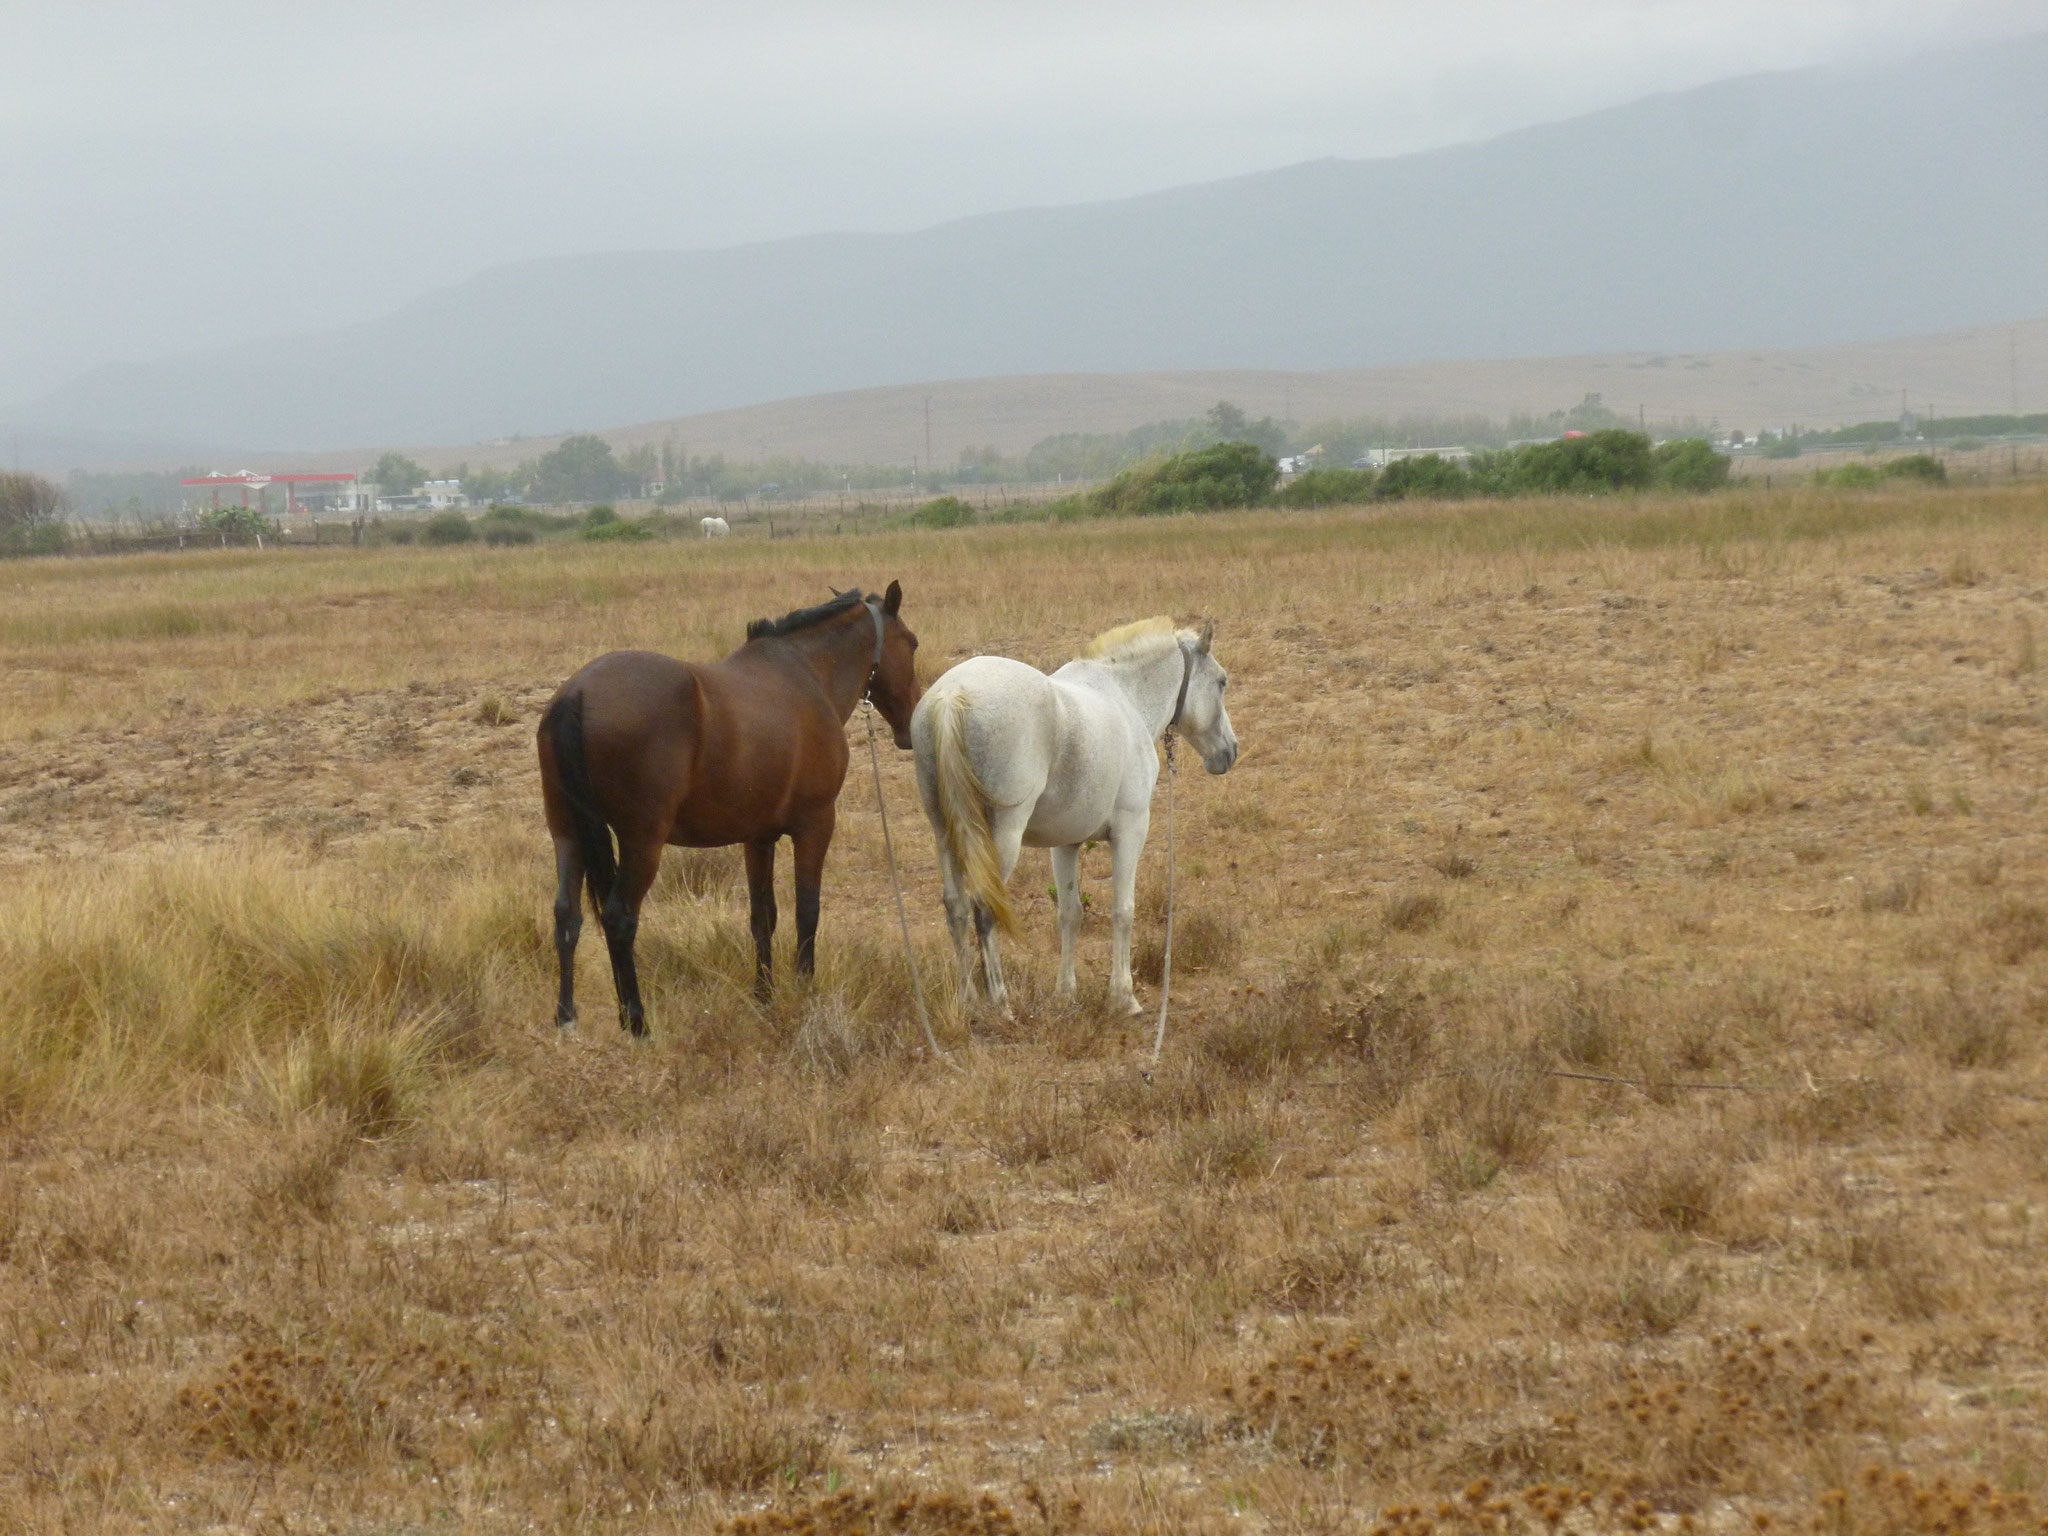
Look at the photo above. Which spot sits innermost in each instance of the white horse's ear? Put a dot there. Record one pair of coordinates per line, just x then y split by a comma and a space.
1208, 634
892, 599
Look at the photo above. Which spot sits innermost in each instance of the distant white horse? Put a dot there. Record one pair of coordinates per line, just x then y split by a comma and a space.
715, 527
1007, 755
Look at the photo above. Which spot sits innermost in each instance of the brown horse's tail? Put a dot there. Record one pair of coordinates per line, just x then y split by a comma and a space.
572, 773
963, 812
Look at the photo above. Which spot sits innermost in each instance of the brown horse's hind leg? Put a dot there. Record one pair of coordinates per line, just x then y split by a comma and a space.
761, 915
568, 926
810, 842
638, 861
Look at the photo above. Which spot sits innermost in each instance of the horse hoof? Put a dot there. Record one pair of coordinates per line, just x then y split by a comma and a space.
1130, 1009
565, 1026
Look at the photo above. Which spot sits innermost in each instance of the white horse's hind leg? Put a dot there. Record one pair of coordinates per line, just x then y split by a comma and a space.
1006, 826
1066, 878
957, 920
1126, 841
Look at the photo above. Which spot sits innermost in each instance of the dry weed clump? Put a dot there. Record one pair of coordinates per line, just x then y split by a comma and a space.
1540, 1509
1269, 1029
2016, 929
1202, 941
1412, 911
936, 1513
1332, 1405
749, 1139
1676, 1186
1379, 1041
1480, 1121
274, 1404
656, 1445
1881, 1502
1742, 1407
1961, 1026
1902, 891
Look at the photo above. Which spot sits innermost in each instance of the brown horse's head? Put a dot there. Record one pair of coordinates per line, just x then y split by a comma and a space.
894, 687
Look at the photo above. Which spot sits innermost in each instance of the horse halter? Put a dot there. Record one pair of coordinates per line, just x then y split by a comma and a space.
874, 609
1187, 675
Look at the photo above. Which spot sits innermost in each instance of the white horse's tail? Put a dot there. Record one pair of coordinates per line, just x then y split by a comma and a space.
963, 812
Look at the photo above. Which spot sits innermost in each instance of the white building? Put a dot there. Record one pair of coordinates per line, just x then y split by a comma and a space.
1380, 458
434, 496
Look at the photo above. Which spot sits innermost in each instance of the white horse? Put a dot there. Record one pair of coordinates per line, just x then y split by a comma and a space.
1007, 755
715, 527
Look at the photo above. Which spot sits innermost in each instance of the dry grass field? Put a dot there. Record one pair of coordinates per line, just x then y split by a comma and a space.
1605, 1089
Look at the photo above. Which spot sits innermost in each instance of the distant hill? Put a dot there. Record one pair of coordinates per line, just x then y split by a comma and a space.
1797, 209
1953, 373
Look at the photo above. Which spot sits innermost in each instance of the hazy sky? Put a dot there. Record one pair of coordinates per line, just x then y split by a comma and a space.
187, 172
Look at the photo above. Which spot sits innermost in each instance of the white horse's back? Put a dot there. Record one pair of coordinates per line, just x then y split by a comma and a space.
1008, 726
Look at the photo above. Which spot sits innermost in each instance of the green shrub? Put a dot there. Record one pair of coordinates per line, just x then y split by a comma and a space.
31, 512
1221, 475
1917, 466
943, 512
37, 539
1786, 447
1429, 476
447, 528
1331, 487
1690, 464
511, 525
600, 515
1848, 477
238, 523
618, 531
399, 533
1608, 460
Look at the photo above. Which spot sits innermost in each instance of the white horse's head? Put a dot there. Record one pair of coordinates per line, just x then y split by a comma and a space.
1204, 720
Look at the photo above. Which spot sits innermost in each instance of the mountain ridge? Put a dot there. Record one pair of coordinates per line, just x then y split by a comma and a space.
1794, 208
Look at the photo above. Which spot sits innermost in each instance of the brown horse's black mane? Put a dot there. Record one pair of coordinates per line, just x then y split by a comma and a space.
804, 618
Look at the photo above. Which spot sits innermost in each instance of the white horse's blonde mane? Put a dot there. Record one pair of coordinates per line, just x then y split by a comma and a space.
1137, 641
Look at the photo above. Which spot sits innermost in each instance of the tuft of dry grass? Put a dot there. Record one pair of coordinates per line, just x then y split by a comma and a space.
492, 709
1412, 911
1202, 941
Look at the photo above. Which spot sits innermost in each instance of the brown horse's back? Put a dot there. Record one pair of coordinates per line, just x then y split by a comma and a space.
698, 755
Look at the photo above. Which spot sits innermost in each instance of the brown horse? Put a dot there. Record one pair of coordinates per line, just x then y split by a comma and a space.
746, 750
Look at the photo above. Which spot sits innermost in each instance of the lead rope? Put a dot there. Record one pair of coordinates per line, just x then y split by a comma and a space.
1166, 962
867, 709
